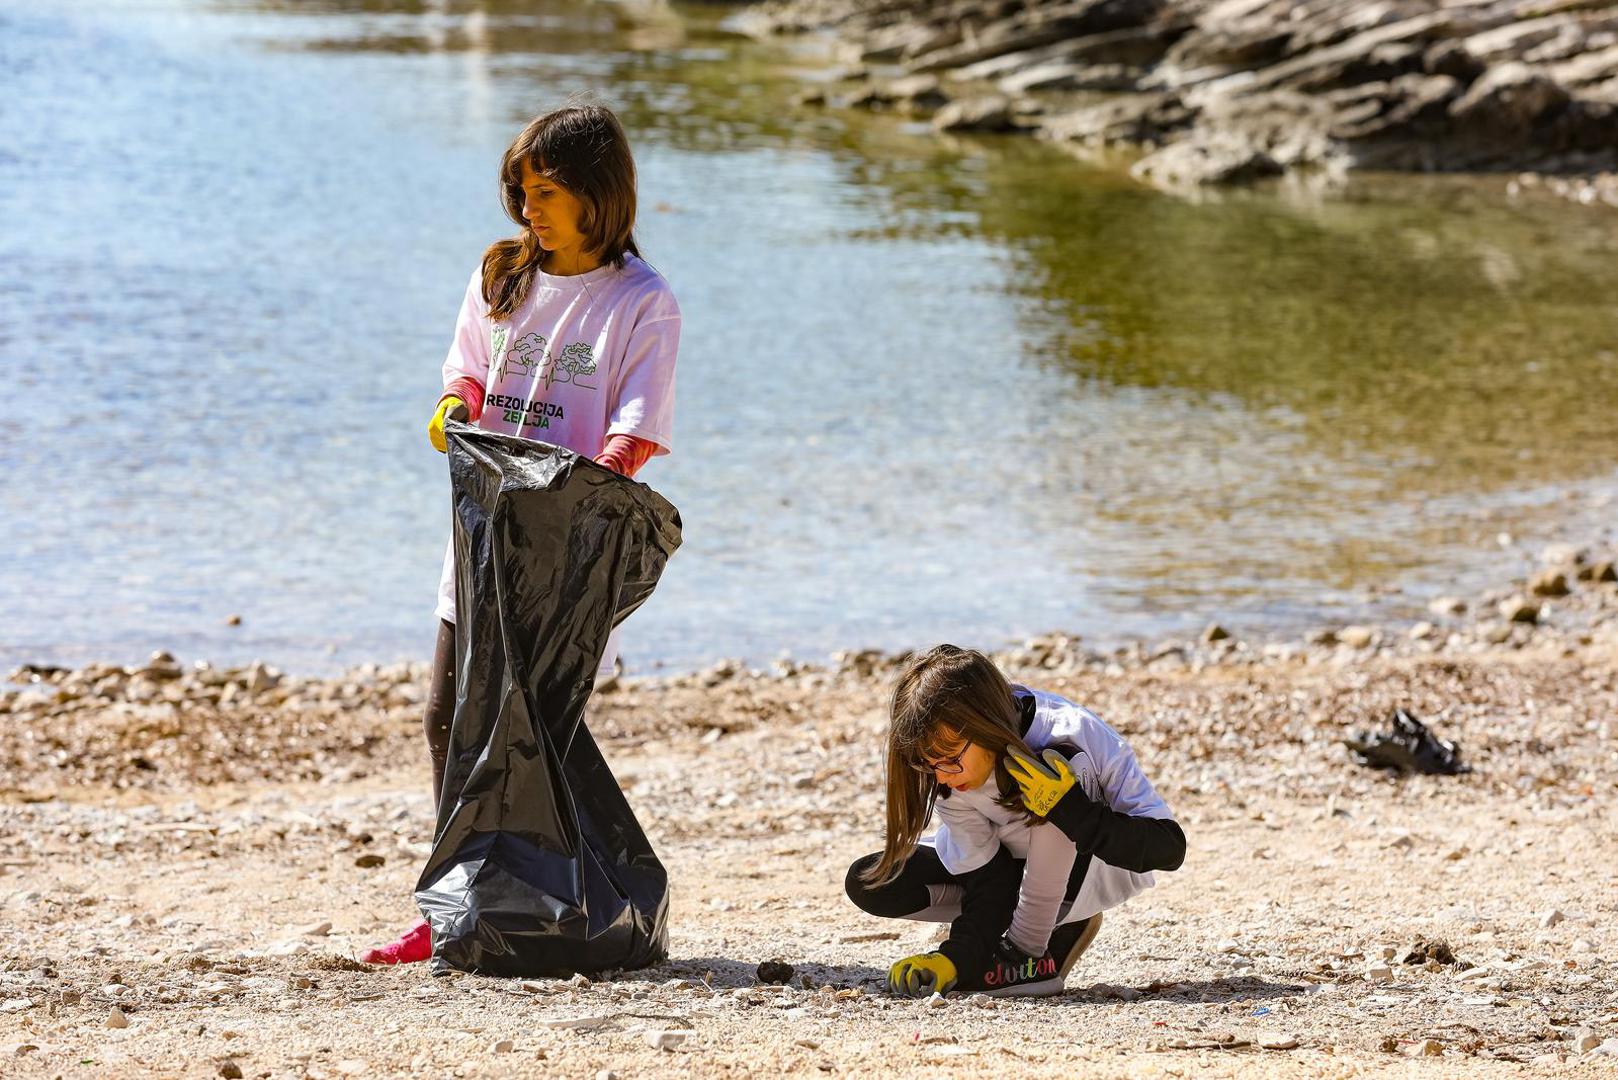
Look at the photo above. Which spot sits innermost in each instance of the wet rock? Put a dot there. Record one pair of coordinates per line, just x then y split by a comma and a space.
1206, 159
989, 114
1508, 100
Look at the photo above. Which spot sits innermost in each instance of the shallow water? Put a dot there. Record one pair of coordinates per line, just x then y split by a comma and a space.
929, 388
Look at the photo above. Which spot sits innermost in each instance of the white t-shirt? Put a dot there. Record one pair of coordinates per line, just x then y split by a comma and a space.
583, 358
973, 827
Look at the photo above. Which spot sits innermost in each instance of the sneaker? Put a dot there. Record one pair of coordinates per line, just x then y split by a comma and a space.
1041, 976
414, 946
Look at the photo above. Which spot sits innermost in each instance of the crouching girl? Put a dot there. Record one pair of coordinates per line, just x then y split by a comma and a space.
1045, 821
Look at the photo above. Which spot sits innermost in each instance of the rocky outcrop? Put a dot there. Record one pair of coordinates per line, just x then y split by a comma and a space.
1223, 91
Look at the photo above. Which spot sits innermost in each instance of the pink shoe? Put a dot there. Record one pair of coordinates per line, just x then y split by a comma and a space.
414, 946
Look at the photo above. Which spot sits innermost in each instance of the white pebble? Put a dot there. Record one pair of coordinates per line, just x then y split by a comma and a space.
666, 1040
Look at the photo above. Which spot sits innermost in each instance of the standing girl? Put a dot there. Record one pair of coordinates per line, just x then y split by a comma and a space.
1045, 821
565, 336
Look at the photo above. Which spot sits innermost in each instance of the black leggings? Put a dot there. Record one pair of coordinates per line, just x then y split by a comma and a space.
440, 704
988, 898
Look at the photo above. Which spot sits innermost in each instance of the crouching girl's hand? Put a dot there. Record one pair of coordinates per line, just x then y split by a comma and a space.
922, 975
1043, 782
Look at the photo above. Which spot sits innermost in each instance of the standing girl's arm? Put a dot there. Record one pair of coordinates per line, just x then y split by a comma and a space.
466, 368
643, 387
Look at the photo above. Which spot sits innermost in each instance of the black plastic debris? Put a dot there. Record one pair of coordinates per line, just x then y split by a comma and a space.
1407, 746
538, 865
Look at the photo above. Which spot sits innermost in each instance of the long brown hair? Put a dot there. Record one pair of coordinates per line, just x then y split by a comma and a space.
946, 693
581, 147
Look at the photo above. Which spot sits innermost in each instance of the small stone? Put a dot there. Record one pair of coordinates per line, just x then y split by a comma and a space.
503, 1046
1602, 572
936, 1001
666, 1040
1496, 633
1519, 609
1608, 1048
1322, 637
1556, 555
230, 1070
117, 1019
1229, 945
775, 972
1425, 1048
353, 1066
369, 861
1447, 605
233, 620
1549, 583
1585, 1040
1215, 632
1551, 918
606, 1074
317, 930
1356, 637
579, 981
1278, 1041
16, 1005
1379, 974
1422, 631
301, 982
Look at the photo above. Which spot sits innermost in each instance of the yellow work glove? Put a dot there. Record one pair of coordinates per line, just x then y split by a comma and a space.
451, 408
1043, 783
922, 975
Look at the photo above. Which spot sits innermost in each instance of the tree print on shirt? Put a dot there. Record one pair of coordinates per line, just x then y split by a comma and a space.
577, 361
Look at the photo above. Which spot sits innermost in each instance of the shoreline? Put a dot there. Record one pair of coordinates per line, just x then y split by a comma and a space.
144, 725
1224, 94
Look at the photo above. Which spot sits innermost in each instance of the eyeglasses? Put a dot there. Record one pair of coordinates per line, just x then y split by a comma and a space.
949, 766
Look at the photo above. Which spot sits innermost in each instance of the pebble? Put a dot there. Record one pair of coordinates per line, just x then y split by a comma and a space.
1425, 1048
317, 930
369, 861
1585, 1040
936, 1001
15, 1005
1608, 1048
1278, 1042
579, 981
230, 1070
1356, 637
1227, 946
1379, 974
606, 1074
1551, 918
117, 1019
666, 1040
1447, 605
503, 1046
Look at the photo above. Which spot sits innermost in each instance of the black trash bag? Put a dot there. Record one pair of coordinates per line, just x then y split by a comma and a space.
539, 867
1407, 746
